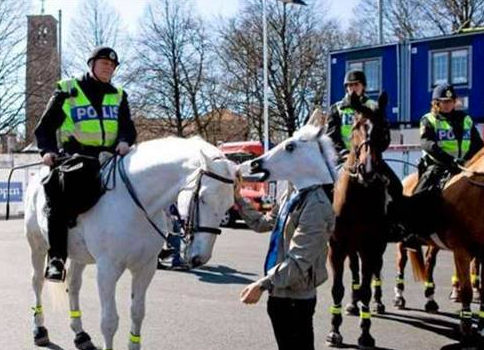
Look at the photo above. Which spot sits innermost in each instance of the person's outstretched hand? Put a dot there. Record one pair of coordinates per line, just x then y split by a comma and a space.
251, 294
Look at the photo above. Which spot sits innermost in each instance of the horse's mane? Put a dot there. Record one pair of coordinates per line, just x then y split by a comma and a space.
475, 158
151, 153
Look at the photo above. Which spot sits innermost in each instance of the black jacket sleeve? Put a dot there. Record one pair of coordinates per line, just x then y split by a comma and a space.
428, 140
476, 144
126, 129
51, 120
334, 130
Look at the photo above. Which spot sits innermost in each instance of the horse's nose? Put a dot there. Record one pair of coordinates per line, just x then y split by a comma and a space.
255, 165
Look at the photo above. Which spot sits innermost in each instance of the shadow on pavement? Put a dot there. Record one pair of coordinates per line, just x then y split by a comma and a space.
53, 346
221, 274
428, 323
354, 346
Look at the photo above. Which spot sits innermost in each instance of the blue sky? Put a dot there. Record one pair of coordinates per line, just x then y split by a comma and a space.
131, 10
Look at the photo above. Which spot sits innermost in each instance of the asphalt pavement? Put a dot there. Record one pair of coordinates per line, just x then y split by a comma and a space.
200, 309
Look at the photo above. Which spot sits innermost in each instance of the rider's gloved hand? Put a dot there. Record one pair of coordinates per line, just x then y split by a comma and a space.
456, 166
122, 148
49, 158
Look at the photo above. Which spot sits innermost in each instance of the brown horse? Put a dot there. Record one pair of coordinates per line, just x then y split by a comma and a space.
359, 205
427, 262
460, 228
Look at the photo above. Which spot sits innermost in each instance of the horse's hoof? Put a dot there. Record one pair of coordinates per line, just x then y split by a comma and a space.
431, 306
82, 341
352, 310
41, 336
378, 308
366, 342
399, 303
334, 340
476, 295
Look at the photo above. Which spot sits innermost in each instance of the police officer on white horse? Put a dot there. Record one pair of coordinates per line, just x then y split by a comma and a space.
90, 115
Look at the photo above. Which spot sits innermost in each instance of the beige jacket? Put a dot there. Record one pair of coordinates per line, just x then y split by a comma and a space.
302, 253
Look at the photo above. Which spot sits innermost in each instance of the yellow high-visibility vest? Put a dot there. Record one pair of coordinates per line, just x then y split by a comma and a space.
82, 121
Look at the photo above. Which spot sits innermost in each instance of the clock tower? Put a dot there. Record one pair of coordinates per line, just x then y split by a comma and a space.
43, 68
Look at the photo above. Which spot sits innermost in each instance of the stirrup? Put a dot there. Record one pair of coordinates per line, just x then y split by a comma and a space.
55, 271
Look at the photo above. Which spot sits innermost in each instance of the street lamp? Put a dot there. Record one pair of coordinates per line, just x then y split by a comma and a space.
264, 39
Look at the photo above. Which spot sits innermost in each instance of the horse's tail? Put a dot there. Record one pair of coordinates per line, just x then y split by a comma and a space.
418, 264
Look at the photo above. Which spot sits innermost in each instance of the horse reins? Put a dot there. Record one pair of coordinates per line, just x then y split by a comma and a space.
192, 223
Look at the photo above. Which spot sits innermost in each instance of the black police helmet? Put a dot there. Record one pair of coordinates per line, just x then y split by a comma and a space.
103, 52
354, 76
444, 92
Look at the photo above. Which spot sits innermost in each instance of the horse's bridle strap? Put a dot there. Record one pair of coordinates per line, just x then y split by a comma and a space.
136, 200
217, 177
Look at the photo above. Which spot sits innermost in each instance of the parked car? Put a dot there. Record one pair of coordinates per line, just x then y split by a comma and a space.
256, 192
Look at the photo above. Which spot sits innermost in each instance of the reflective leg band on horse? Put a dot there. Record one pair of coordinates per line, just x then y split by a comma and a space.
335, 310
37, 310
75, 313
135, 339
376, 283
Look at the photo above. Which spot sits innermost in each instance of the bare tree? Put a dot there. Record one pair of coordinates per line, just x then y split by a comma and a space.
298, 44
12, 64
97, 24
451, 16
172, 55
410, 19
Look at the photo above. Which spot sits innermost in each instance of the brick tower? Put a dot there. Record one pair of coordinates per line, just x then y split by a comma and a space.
43, 68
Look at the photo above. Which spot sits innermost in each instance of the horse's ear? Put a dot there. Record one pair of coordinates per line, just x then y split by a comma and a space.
382, 100
318, 117
205, 160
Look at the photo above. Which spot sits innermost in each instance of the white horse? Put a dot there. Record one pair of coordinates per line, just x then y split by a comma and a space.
305, 159
115, 233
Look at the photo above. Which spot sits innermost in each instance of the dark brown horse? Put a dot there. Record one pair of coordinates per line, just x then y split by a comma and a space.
359, 204
460, 228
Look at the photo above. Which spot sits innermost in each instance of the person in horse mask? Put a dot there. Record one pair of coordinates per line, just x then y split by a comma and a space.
295, 264
340, 123
90, 115
448, 138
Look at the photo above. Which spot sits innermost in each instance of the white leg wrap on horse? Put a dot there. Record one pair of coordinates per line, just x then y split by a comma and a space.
430, 298
398, 292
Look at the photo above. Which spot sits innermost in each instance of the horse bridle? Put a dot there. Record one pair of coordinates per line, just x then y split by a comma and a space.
358, 168
192, 223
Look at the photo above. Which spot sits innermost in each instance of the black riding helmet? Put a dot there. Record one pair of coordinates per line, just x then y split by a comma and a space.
355, 76
103, 52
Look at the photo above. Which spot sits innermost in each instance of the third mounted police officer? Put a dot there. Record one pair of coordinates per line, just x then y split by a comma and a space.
448, 138
85, 116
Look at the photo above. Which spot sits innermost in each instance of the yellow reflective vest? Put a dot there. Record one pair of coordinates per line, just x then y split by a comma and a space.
82, 121
348, 117
446, 139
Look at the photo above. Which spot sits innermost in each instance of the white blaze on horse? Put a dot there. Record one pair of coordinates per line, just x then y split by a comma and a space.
115, 234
